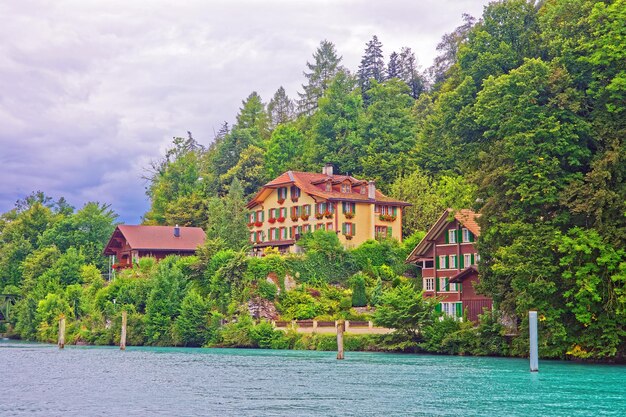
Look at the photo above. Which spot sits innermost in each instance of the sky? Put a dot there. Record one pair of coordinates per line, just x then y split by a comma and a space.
92, 91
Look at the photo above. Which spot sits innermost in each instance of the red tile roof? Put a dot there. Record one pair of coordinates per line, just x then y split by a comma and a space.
161, 238
466, 217
314, 184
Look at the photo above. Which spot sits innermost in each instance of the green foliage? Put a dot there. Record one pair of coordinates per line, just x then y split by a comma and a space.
193, 322
359, 297
267, 290
404, 309
49, 311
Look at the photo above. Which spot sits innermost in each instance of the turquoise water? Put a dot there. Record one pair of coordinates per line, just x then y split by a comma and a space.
40, 380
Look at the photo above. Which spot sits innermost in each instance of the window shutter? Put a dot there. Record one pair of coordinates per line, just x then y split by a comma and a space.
343, 206
343, 228
395, 211
262, 215
438, 308
353, 229
461, 261
291, 233
447, 236
437, 263
446, 286
471, 236
458, 235
472, 258
354, 208
460, 287
459, 309
437, 284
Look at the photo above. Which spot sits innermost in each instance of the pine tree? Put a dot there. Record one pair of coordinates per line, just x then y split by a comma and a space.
393, 68
409, 73
280, 108
253, 116
372, 65
322, 71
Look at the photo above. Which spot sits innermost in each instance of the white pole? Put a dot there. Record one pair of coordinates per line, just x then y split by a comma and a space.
534, 348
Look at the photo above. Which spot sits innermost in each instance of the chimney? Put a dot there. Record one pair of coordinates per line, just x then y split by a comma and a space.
176, 231
371, 190
328, 170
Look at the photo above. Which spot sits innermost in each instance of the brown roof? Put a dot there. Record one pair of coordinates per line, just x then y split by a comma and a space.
159, 238
466, 217
466, 273
314, 184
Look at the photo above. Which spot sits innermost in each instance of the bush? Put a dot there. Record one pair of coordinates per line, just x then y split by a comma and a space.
267, 290
359, 298
265, 336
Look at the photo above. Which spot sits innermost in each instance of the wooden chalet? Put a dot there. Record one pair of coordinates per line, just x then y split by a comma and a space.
130, 243
448, 259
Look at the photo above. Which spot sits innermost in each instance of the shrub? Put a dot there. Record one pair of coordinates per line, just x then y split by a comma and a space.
359, 298
267, 290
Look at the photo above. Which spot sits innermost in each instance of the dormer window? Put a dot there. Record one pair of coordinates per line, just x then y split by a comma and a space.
363, 190
329, 186
346, 188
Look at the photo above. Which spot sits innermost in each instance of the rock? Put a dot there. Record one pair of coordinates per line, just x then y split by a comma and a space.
260, 308
290, 283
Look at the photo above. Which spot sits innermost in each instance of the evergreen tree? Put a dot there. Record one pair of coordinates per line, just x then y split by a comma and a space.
283, 150
409, 73
280, 108
325, 67
193, 322
448, 48
393, 68
253, 116
372, 66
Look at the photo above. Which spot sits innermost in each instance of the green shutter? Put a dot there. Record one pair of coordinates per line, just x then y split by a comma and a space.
471, 236
353, 229
460, 285
438, 308
437, 284
447, 237
472, 256
263, 215
343, 228
446, 285
395, 211
291, 233
437, 262
343, 206
462, 261
354, 208
459, 309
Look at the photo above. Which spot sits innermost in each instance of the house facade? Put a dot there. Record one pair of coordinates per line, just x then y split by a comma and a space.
129, 243
295, 203
448, 259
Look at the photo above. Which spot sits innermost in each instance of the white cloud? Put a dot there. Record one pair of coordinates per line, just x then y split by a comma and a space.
90, 92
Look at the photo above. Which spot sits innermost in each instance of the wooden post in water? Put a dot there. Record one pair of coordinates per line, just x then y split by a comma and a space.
534, 348
62, 332
341, 327
123, 333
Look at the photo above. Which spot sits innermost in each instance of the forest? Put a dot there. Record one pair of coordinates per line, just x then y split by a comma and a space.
521, 117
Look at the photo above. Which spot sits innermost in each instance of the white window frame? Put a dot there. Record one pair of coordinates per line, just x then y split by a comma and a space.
442, 284
466, 235
443, 262
453, 262
429, 284
467, 260
476, 258
452, 236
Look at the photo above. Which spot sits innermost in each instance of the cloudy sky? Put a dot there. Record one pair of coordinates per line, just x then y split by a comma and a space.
92, 91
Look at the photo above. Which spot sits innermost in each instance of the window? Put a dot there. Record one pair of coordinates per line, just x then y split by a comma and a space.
295, 193
377, 208
252, 217
452, 309
346, 188
306, 228
452, 263
348, 207
319, 226
429, 284
283, 212
477, 258
443, 262
283, 233
349, 229
382, 232
452, 236
329, 186
363, 189
307, 209
329, 226
467, 259
466, 235
282, 193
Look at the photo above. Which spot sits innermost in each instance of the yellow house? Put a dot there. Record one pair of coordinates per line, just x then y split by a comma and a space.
295, 203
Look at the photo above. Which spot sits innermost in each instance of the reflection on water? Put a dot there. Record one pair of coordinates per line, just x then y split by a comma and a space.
40, 380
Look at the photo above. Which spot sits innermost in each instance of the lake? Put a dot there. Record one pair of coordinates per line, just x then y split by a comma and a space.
41, 380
